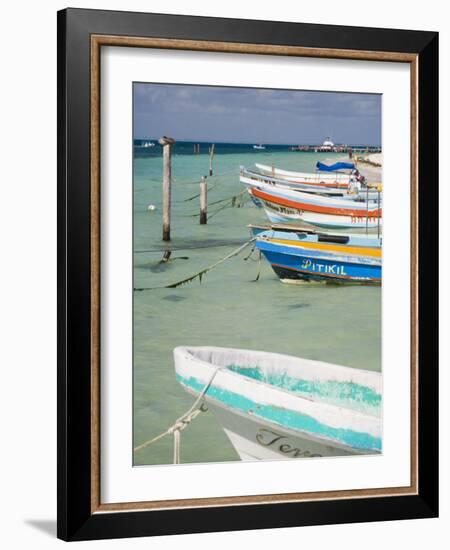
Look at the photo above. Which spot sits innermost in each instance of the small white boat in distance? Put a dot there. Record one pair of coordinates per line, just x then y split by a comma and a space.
260, 146
274, 406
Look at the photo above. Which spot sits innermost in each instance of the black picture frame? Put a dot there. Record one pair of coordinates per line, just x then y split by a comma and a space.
76, 521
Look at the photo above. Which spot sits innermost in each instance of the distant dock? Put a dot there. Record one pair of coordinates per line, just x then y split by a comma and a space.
360, 149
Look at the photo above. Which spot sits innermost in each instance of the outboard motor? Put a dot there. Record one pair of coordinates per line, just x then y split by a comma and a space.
359, 177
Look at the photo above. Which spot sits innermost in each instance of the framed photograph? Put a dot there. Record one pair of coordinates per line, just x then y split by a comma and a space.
247, 274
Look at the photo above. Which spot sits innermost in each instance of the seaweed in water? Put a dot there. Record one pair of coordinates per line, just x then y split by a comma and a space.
162, 265
198, 275
174, 298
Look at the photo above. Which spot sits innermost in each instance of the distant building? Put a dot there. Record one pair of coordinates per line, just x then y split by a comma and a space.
327, 145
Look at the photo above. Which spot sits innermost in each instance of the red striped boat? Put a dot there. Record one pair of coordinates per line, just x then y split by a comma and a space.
287, 206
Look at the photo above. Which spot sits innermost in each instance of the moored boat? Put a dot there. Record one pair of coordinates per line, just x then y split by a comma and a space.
328, 222
310, 257
274, 406
287, 206
256, 229
354, 189
334, 177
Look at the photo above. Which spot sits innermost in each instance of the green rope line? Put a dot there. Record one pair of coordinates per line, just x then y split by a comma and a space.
199, 274
231, 202
198, 194
195, 247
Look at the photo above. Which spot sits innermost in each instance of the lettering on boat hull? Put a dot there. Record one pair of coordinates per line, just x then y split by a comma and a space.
316, 267
280, 443
321, 272
362, 219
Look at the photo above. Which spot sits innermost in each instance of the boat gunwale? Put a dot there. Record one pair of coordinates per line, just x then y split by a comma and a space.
313, 402
363, 241
322, 246
317, 203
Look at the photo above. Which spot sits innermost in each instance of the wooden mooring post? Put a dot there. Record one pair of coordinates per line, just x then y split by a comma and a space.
211, 156
167, 143
203, 201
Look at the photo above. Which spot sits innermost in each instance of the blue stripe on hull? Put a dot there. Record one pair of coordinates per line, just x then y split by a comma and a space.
311, 265
292, 420
275, 218
256, 201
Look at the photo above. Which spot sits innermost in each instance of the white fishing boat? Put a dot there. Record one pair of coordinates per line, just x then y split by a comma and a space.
283, 205
259, 147
326, 222
253, 179
336, 178
274, 406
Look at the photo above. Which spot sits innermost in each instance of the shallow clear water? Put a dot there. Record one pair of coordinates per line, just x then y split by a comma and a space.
338, 324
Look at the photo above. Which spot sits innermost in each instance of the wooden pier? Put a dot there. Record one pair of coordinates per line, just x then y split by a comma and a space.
335, 149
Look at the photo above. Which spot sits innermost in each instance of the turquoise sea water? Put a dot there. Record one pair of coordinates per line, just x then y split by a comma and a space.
330, 323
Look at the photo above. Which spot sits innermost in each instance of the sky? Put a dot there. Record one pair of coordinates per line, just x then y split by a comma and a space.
254, 115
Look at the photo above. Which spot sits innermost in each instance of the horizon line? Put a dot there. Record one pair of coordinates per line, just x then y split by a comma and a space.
290, 144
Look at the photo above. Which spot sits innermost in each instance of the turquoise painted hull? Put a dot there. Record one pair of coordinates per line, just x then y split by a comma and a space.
278, 406
283, 418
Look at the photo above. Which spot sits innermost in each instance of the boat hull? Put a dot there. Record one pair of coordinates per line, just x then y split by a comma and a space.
332, 272
265, 421
254, 439
250, 180
361, 224
301, 201
309, 261
340, 179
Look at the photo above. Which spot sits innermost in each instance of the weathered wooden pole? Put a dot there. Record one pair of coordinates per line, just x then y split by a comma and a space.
203, 199
211, 156
167, 143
